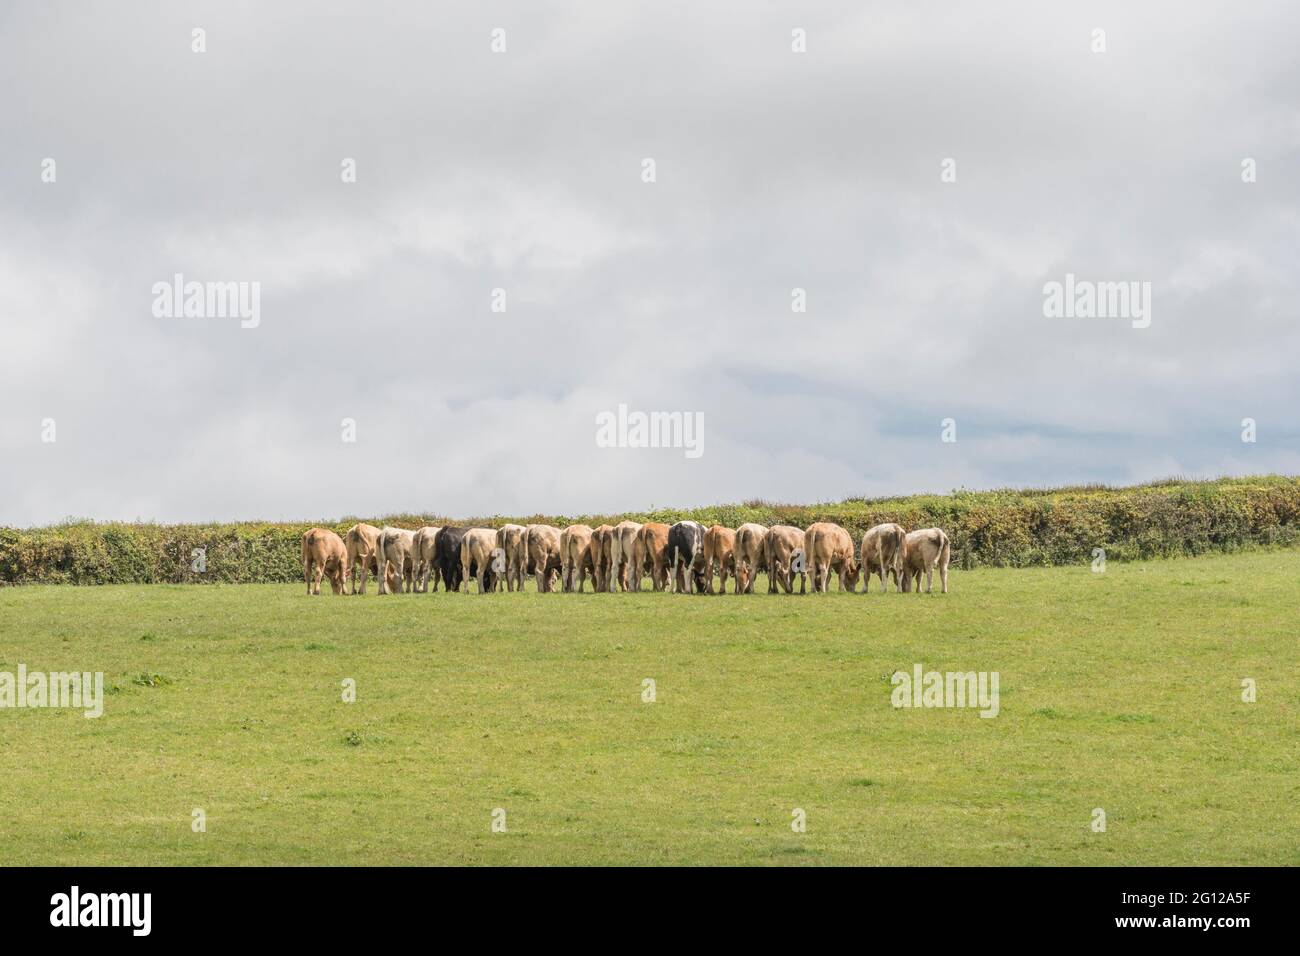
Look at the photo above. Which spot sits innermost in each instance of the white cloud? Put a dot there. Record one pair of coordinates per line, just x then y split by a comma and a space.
776, 170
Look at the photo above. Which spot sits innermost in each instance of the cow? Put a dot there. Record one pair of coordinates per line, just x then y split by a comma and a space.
686, 553
477, 549
426, 540
827, 547
395, 546
651, 554
543, 547
324, 553
447, 548
751, 555
720, 549
510, 539
601, 553
922, 551
575, 557
882, 553
785, 546
360, 543
622, 547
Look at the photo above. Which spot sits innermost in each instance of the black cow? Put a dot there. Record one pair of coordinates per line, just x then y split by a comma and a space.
447, 555
686, 550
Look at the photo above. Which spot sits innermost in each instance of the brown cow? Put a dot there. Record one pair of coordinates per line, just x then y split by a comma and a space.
510, 539
423, 550
922, 551
324, 553
477, 549
600, 552
882, 552
651, 554
575, 558
828, 547
543, 547
720, 549
622, 548
394, 550
360, 543
785, 548
751, 555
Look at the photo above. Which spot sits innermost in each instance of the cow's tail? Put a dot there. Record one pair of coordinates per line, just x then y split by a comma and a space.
770, 559
900, 551
381, 560
944, 551
809, 556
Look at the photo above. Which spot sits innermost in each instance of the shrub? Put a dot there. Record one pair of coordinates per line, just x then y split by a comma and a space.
1006, 528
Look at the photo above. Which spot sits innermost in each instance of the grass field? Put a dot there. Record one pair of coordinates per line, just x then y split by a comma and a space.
1119, 690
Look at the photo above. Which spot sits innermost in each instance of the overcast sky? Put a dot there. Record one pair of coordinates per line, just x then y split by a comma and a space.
523, 171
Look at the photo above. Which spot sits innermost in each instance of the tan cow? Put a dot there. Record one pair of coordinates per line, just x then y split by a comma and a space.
882, 552
360, 543
542, 543
622, 556
423, 550
651, 555
828, 547
922, 551
476, 553
600, 553
324, 553
395, 552
785, 549
751, 555
720, 549
575, 556
510, 539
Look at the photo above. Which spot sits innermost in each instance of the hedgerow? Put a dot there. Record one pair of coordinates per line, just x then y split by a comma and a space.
1007, 528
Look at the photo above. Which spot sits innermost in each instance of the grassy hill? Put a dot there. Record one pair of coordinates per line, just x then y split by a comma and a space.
1119, 690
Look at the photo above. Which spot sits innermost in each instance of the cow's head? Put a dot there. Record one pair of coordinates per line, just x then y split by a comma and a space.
851, 572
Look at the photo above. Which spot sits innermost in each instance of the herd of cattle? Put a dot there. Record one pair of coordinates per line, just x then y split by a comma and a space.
680, 557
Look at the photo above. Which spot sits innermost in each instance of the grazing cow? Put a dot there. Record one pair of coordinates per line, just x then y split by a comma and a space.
447, 548
396, 547
882, 553
622, 547
543, 547
720, 549
782, 542
476, 551
828, 547
575, 556
510, 539
425, 555
651, 554
751, 555
360, 543
686, 554
324, 553
601, 553
922, 551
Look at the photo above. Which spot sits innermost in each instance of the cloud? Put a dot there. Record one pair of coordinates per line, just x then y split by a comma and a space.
521, 172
